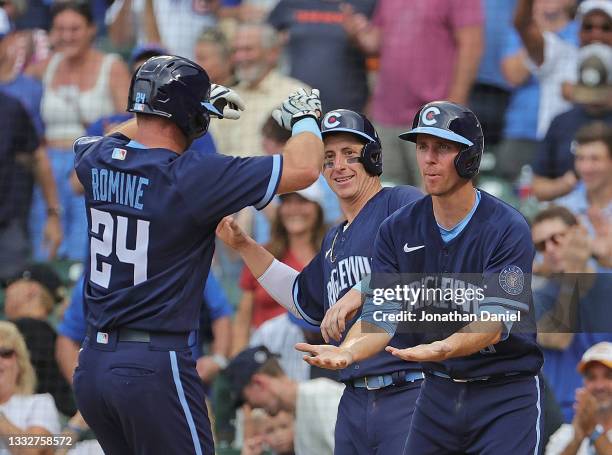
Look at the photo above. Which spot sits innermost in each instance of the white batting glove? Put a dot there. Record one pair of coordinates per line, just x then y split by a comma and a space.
297, 106
227, 101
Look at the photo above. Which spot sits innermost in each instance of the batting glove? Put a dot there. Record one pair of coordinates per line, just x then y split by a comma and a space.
226, 101
297, 106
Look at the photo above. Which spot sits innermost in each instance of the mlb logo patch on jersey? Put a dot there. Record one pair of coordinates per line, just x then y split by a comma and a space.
102, 338
119, 154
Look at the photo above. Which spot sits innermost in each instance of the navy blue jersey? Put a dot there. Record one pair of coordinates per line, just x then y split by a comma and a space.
152, 216
344, 259
496, 247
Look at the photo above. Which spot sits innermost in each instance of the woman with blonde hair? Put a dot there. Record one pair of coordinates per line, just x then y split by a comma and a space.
22, 413
295, 237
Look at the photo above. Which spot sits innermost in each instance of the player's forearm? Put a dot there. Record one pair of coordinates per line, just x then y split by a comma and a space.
365, 340
473, 338
470, 47
530, 33
302, 161
255, 257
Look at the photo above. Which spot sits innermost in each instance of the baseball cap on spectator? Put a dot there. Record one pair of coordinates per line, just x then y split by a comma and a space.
45, 276
5, 25
146, 51
302, 324
313, 193
588, 6
600, 352
594, 74
242, 368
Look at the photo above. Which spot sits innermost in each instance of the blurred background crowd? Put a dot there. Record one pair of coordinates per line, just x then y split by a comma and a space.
538, 73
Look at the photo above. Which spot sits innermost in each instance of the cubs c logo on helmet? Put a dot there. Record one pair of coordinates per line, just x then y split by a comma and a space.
331, 120
428, 116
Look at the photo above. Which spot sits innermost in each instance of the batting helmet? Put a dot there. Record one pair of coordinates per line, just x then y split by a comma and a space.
455, 123
343, 120
175, 88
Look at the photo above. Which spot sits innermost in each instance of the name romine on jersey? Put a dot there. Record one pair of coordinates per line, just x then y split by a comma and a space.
118, 187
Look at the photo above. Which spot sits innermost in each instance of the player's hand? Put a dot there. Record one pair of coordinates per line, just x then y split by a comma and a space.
227, 101
230, 232
334, 322
324, 356
52, 235
298, 105
432, 352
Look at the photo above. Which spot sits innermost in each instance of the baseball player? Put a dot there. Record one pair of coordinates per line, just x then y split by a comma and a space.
481, 393
380, 391
152, 211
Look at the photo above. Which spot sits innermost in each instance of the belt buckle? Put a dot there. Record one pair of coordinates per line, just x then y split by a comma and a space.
365, 378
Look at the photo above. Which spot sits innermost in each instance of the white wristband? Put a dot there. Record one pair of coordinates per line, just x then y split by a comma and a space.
278, 281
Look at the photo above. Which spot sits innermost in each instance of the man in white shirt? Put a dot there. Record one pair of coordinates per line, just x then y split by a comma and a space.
255, 377
590, 432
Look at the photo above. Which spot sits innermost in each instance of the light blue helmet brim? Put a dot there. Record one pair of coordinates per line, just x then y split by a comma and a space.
438, 132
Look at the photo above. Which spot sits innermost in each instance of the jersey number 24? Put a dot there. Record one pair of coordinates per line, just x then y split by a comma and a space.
104, 248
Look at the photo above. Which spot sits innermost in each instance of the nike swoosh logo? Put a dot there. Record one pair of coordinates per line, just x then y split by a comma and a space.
410, 249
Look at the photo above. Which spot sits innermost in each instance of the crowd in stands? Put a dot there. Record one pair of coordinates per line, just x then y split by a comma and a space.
538, 73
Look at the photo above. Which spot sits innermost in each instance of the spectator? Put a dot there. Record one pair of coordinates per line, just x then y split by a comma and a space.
490, 94
215, 318
593, 95
21, 159
315, 34
77, 91
591, 200
174, 24
279, 433
212, 52
296, 236
256, 378
22, 413
247, 10
566, 300
255, 52
520, 141
445, 67
30, 300
591, 429
552, 59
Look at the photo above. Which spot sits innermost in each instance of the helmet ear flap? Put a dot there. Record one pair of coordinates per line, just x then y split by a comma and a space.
467, 162
371, 158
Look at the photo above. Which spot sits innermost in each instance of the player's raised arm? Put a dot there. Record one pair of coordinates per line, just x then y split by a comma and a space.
303, 153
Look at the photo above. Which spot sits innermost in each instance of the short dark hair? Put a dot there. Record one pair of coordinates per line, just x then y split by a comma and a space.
271, 367
274, 131
79, 7
555, 211
595, 132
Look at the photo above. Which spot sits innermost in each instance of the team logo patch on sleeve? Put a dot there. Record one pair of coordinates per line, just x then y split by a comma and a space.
512, 280
119, 154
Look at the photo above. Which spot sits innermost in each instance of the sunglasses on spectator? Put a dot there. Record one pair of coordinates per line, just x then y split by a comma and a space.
6, 353
555, 239
589, 27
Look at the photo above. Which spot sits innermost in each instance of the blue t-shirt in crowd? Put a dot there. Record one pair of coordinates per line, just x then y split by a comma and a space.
497, 24
555, 155
29, 91
204, 144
